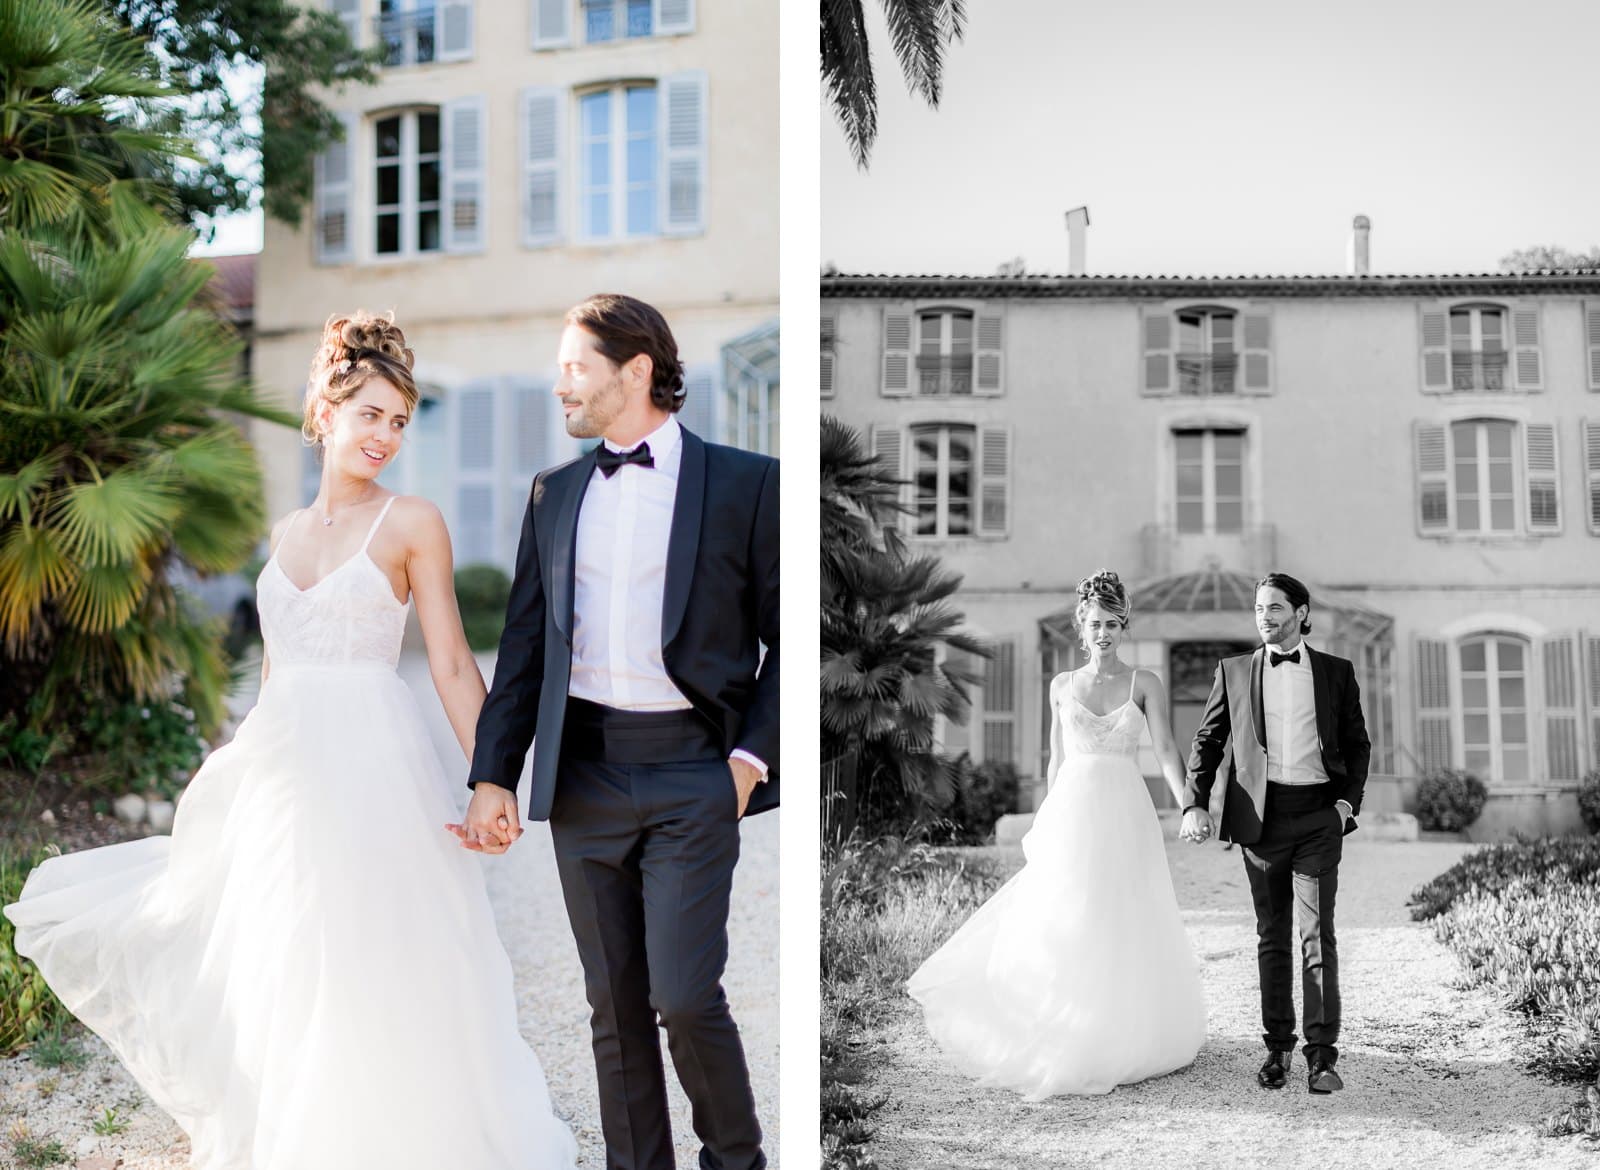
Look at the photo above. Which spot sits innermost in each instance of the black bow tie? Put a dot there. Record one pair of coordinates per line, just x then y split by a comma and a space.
1292, 656
608, 460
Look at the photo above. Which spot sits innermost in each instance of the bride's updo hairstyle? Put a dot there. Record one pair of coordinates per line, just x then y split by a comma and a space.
355, 349
1106, 590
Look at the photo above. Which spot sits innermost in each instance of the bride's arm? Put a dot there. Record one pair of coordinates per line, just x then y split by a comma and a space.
1057, 748
1153, 700
430, 568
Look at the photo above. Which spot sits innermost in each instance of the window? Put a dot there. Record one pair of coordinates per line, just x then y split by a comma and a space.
408, 184
1209, 473
943, 477
610, 20
619, 159
1206, 350
944, 352
1207, 358
1487, 477
406, 28
1494, 707
1478, 348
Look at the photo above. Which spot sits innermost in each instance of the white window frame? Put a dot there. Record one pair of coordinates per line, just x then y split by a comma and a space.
1494, 713
1476, 337
1209, 316
618, 188
942, 481
1210, 498
945, 381
410, 207
1483, 495
619, 9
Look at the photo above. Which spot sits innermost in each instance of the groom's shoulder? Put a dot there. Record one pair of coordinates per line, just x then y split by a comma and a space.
737, 458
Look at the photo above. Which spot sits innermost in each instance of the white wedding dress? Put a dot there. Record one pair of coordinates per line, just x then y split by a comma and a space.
1077, 976
306, 975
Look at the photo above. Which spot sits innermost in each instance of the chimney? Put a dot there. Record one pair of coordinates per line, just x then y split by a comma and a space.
1077, 232
1360, 248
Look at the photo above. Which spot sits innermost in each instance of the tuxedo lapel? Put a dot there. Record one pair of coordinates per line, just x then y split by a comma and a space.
564, 555
687, 510
1319, 693
1258, 706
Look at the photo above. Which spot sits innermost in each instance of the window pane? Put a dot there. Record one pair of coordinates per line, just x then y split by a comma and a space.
1513, 691
1190, 337
1230, 480
1461, 328
1467, 515
1474, 691
596, 108
1466, 439
427, 133
1499, 440
1514, 764
1477, 763
1191, 516
1191, 483
388, 233
599, 20
1500, 477
389, 138
1472, 657
1491, 322
1221, 333
1513, 729
642, 109
639, 18
597, 221
1475, 729
960, 516
1230, 516
642, 211
598, 158
388, 186
1188, 446
1229, 446
424, 27
1510, 655
428, 182
961, 333
1467, 476
428, 231
1502, 516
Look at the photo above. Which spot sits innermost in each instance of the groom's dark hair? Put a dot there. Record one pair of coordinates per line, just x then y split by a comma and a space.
624, 327
1294, 590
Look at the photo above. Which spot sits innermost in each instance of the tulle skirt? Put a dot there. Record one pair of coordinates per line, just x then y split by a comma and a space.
306, 975
1077, 976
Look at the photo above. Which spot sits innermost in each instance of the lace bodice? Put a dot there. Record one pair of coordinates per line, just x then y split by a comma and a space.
1116, 733
349, 616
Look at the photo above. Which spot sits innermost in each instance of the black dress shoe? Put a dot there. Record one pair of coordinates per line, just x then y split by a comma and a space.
1322, 1078
1275, 1072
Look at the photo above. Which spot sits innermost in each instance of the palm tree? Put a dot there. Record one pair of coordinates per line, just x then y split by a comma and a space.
115, 451
919, 31
884, 617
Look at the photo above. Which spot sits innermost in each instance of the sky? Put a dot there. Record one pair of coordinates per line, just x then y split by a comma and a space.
1230, 137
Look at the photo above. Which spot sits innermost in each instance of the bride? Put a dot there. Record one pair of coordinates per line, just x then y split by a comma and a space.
1077, 975
306, 975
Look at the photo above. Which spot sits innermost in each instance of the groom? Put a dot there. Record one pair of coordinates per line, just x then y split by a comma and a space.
1288, 720
646, 585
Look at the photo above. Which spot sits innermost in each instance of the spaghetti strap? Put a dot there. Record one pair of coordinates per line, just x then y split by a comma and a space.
288, 528
373, 531
1133, 679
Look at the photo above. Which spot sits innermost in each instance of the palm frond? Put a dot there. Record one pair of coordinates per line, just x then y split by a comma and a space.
112, 520
33, 569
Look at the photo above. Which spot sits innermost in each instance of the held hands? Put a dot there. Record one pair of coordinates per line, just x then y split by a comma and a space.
491, 823
745, 778
1196, 826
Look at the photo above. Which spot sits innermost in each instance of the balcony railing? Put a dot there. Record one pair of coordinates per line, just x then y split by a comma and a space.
407, 36
1476, 369
944, 375
1252, 548
1206, 374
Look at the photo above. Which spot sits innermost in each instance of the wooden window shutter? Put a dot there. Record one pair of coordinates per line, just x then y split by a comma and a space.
1591, 685
994, 481
1591, 333
544, 111
683, 159
465, 174
896, 352
1433, 705
551, 23
990, 355
699, 412
830, 326
1257, 352
1433, 478
673, 17
333, 229
1562, 707
889, 445
1525, 347
454, 30
1591, 471
1000, 703
1544, 480
1155, 339
1435, 331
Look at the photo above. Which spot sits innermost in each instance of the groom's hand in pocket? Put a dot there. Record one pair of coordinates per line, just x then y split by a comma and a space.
745, 778
491, 823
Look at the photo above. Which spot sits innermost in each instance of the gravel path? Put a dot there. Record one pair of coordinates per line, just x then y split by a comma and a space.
1433, 1075
552, 1012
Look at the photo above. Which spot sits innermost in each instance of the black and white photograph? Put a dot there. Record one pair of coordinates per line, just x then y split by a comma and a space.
1210, 568
389, 585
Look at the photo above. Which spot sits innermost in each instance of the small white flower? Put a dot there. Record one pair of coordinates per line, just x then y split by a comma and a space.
144, 712
343, 367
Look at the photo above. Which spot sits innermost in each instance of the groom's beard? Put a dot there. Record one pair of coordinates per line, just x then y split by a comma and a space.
597, 411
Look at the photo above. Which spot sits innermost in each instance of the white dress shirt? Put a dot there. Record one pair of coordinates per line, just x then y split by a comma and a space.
1289, 705
620, 581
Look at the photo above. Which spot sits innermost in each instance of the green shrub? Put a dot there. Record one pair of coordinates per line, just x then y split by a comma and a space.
1492, 868
482, 592
984, 793
1448, 800
26, 749
141, 746
1589, 801
29, 1010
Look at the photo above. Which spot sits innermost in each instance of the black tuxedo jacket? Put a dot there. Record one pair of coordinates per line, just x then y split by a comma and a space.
720, 601
1234, 727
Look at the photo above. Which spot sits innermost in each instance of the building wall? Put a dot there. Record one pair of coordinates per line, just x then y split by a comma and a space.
1330, 486
490, 319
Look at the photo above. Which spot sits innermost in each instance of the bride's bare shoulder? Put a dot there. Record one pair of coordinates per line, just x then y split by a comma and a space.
1062, 681
419, 518
279, 527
